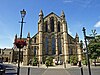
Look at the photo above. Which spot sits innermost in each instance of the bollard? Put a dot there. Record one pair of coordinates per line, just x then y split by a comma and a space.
81, 70
64, 65
80, 65
28, 71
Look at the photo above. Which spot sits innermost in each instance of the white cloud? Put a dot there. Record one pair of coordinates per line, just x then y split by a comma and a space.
97, 24
82, 3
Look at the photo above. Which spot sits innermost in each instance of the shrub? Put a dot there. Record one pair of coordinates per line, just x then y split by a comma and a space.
73, 59
35, 61
49, 61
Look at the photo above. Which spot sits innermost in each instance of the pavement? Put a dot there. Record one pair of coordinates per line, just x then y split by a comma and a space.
41, 65
54, 67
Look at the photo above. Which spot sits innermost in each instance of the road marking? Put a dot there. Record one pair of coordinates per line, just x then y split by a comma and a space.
67, 72
44, 72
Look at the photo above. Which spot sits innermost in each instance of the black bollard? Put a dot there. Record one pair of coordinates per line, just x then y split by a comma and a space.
28, 71
81, 70
80, 65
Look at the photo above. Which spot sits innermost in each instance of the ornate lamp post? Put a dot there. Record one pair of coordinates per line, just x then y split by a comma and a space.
87, 55
20, 43
23, 13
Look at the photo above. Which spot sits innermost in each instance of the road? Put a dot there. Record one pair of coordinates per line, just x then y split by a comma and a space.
33, 71
52, 71
76, 71
56, 72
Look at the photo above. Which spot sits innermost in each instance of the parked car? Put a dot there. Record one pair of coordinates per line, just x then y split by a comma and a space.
58, 62
2, 69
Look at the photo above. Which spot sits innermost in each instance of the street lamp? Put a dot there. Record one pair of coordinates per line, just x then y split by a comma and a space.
23, 13
87, 55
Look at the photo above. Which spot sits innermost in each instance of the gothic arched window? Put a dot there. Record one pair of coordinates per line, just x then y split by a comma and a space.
52, 23
58, 26
53, 46
70, 51
46, 26
46, 45
59, 46
34, 50
35, 40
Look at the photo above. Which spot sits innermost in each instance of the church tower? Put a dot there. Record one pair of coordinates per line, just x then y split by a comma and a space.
65, 37
40, 31
26, 51
78, 47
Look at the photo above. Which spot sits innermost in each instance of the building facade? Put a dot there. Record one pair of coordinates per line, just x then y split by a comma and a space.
6, 55
52, 39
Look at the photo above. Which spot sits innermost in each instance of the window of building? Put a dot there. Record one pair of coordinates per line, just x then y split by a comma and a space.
9, 52
59, 46
46, 26
70, 51
2, 52
53, 46
58, 26
34, 50
35, 40
52, 24
46, 45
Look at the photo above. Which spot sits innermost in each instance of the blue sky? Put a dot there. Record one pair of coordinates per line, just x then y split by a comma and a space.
79, 14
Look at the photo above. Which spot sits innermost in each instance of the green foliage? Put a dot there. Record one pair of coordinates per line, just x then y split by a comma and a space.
73, 59
49, 61
94, 47
84, 62
35, 61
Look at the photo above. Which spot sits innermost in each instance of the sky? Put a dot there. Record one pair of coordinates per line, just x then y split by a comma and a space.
78, 13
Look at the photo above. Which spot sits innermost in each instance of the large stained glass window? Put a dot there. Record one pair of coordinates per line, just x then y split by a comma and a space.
46, 45
46, 26
59, 46
52, 23
53, 45
58, 26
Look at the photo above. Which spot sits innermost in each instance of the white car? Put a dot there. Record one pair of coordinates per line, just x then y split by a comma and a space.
58, 62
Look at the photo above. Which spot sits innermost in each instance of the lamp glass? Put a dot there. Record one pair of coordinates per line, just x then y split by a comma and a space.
23, 13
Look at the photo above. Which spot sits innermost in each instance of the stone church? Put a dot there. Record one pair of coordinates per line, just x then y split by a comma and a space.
52, 39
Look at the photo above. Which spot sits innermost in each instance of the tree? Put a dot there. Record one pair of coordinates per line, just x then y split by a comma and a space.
94, 47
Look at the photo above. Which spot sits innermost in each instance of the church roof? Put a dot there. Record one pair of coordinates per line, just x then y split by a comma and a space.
34, 35
71, 37
51, 14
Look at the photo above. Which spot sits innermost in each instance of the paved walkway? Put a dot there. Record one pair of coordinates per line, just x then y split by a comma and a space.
56, 66
41, 66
